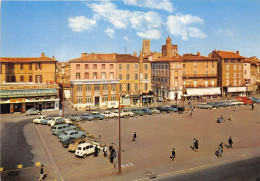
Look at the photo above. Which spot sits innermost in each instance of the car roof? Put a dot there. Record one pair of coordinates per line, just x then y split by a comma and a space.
94, 112
85, 144
60, 125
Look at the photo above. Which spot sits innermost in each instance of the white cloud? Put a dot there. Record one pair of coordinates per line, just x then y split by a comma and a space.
81, 23
150, 34
179, 25
126, 38
110, 32
155, 4
226, 32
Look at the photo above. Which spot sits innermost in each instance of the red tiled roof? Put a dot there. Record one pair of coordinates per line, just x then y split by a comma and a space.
196, 57
228, 54
168, 59
27, 59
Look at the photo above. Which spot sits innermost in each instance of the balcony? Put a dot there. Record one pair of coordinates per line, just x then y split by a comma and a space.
193, 76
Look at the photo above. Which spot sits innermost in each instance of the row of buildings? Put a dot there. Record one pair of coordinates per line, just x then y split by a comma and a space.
96, 79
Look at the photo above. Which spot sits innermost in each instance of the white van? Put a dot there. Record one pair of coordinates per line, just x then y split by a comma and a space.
85, 149
112, 104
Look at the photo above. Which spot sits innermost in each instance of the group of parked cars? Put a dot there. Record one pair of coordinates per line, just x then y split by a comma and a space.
215, 105
71, 136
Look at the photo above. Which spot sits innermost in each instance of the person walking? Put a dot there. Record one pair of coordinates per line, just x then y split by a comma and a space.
173, 155
194, 141
105, 151
253, 106
42, 171
196, 145
235, 108
96, 151
220, 150
134, 137
230, 142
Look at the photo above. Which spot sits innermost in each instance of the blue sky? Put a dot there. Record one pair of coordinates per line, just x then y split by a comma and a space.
65, 29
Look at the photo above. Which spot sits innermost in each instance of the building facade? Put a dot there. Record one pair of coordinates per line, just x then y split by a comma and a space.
28, 83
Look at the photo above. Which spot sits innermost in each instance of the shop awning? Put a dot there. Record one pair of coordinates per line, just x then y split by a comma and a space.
236, 89
203, 91
27, 93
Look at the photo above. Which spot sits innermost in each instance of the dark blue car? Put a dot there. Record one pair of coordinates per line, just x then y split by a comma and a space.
146, 111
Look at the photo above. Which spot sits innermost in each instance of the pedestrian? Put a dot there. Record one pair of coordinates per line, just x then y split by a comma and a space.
134, 137
173, 155
220, 150
196, 145
253, 106
96, 151
194, 141
190, 113
111, 159
42, 171
235, 108
189, 102
105, 151
193, 108
230, 142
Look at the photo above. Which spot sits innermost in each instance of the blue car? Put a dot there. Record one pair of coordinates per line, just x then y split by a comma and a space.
87, 117
46, 120
146, 111
255, 100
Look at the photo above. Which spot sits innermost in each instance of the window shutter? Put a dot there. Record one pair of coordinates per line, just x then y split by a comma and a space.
36, 66
40, 66
36, 77
40, 78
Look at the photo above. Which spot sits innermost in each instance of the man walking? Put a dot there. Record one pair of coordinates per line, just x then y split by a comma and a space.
96, 151
230, 142
253, 106
220, 150
105, 151
42, 171
173, 155
134, 137
194, 141
196, 145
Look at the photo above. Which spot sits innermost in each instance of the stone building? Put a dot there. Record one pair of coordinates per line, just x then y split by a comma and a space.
169, 50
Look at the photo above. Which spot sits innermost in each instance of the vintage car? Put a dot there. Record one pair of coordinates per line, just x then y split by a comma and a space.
205, 106
62, 127
66, 142
137, 112
46, 120
32, 112
108, 114
38, 120
126, 113
72, 133
97, 115
85, 149
75, 117
74, 144
146, 111
87, 117
154, 110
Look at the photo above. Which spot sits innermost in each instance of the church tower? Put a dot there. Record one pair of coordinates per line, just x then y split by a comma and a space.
146, 47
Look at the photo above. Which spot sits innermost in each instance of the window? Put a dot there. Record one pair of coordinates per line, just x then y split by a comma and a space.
213, 73
86, 66
145, 66
227, 75
183, 72
77, 75
136, 76
38, 66
96, 87
30, 66
94, 66
195, 83
235, 67
136, 86
195, 63
195, 72
127, 77
184, 66
227, 67
95, 75
136, 66
128, 87
227, 82
145, 76
103, 66
111, 75
105, 87
105, 98
79, 100
77, 66
127, 66
21, 78
235, 75
120, 66
30, 78
146, 86
113, 87
79, 88
111, 66
88, 88
113, 97
176, 74
245, 72
120, 87
21, 66
86, 75
120, 76
235, 82
239, 67
103, 75
206, 72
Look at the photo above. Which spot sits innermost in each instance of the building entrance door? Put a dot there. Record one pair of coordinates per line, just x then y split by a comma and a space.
97, 101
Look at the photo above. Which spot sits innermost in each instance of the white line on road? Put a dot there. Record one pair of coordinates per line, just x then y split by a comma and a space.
49, 153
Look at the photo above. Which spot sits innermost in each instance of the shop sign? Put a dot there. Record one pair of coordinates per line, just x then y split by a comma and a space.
146, 81
27, 93
128, 81
18, 100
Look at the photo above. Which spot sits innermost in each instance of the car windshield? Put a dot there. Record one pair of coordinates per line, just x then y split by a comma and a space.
79, 148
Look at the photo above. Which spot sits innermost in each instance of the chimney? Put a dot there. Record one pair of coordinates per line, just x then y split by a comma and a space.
53, 57
42, 54
238, 52
114, 55
198, 53
135, 55
210, 55
83, 54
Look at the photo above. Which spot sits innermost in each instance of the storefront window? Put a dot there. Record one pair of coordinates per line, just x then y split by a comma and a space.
50, 105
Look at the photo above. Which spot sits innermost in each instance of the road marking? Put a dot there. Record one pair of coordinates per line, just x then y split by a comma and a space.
131, 164
37, 163
20, 166
49, 153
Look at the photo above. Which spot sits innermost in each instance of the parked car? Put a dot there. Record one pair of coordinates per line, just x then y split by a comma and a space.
234, 102
215, 105
108, 114
97, 115
87, 117
171, 108
74, 144
163, 109
154, 110
62, 127
205, 106
38, 120
137, 112
46, 120
224, 104
75, 117
92, 108
126, 112
146, 111
53, 120
67, 142
255, 100
112, 104
85, 149
159, 99
32, 112
180, 109
72, 133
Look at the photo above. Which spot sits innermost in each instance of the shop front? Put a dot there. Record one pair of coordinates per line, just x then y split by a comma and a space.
207, 92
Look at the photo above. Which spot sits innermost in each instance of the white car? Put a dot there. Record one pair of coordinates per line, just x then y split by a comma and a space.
85, 149
58, 121
108, 114
53, 120
126, 112
234, 102
38, 120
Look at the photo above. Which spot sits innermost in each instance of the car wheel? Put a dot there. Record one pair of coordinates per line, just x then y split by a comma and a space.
84, 156
83, 136
208, 108
39, 113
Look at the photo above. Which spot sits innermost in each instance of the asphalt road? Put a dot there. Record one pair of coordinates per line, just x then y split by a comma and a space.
243, 170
